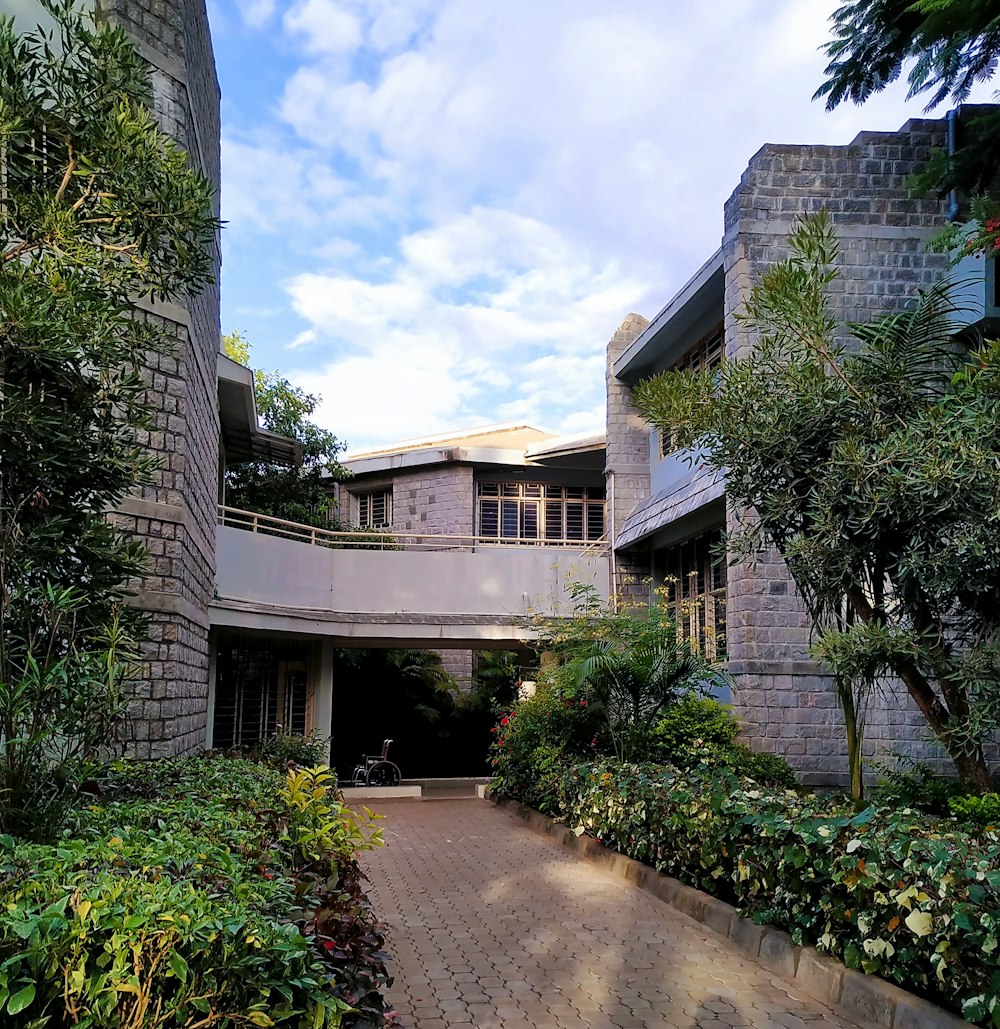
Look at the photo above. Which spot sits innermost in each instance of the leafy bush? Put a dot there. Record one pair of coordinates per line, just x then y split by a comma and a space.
318, 828
982, 810
284, 748
700, 732
538, 738
177, 898
64, 689
764, 769
898, 894
916, 785
692, 721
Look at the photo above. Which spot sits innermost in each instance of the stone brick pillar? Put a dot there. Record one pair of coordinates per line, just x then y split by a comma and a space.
626, 467
175, 517
787, 703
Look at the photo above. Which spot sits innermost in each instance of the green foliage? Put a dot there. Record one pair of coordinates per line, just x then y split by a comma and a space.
284, 748
982, 810
296, 494
176, 898
319, 828
873, 470
61, 709
947, 46
496, 674
916, 785
536, 740
633, 659
894, 893
700, 733
765, 769
693, 721
99, 208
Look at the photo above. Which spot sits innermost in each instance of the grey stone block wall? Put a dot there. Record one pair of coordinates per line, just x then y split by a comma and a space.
439, 499
788, 706
627, 458
459, 664
175, 517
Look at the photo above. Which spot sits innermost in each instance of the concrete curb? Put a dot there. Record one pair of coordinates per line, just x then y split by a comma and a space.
864, 998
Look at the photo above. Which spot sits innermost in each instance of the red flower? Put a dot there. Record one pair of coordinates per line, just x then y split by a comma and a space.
583, 703
505, 720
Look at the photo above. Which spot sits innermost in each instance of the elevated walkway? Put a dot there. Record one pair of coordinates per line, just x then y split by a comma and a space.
403, 590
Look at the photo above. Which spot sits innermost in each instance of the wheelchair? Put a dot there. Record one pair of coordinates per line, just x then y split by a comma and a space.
376, 769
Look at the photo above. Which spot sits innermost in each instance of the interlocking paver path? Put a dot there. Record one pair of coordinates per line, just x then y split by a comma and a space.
492, 925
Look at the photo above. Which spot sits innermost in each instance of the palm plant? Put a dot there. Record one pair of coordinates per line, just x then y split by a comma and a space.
636, 675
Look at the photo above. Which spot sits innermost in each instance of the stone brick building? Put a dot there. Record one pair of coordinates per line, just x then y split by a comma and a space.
668, 513
510, 485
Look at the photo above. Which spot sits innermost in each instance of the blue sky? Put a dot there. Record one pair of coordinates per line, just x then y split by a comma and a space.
440, 210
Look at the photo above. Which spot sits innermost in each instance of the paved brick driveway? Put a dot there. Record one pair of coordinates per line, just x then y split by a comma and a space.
495, 926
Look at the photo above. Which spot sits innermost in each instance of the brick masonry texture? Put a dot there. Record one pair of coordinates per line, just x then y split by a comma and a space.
175, 517
787, 705
492, 926
627, 458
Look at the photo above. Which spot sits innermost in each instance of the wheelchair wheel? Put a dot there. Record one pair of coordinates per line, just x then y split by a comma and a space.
383, 773
359, 778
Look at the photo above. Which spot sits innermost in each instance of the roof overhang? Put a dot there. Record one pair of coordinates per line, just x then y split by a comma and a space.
243, 438
676, 506
693, 312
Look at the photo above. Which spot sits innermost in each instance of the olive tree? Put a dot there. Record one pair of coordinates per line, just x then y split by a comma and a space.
873, 466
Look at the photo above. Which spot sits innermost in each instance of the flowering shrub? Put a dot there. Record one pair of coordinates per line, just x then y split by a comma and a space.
536, 740
906, 896
177, 898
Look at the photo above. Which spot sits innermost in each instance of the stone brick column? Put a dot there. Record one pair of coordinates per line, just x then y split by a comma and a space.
175, 517
788, 704
626, 467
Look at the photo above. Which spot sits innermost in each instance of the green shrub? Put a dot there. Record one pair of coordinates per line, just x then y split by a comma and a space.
980, 811
764, 769
692, 722
537, 739
916, 785
890, 891
179, 890
283, 748
700, 732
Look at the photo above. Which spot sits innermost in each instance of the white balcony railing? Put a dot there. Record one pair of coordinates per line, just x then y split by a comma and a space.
389, 540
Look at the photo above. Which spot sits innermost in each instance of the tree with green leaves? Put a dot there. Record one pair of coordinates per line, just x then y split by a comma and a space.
947, 46
300, 494
98, 207
874, 469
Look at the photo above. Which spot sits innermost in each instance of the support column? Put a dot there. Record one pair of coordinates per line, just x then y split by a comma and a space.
323, 696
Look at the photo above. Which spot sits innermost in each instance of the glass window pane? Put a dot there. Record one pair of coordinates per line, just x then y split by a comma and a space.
489, 518
529, 520
553, 520
489, 489
509, 519
574, 521
595, 521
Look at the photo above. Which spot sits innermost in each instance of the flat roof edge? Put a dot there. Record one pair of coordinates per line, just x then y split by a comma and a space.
632, 358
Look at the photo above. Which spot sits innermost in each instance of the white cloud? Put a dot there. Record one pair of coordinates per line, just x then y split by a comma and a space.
256, 13
328, 27
486, 306
474, 195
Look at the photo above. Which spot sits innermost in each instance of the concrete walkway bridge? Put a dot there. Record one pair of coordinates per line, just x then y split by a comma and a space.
394, 589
